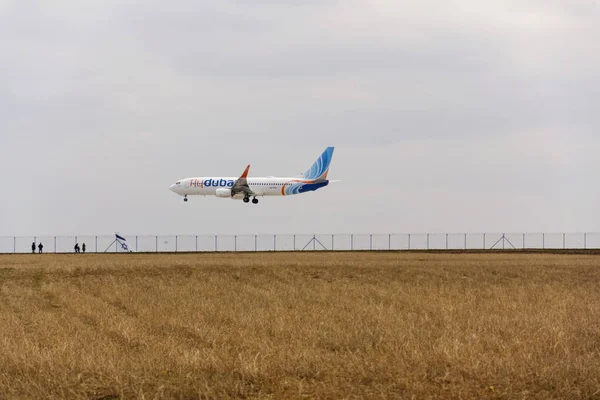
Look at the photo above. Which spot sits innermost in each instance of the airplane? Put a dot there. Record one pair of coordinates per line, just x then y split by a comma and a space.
244, 187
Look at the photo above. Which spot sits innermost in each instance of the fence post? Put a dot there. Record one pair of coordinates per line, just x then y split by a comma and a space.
196, 243
332, 243
176, 243
371, 242
523, 241
465, 241
543, 240
484, 241
216, 243
156, 245
409, 241
564, 241
255, 242
294, 242
96, 243
352, 242
136, 243
54, 244
428, 241
446, 241
274, 242
14, 244
234, 242
585, 240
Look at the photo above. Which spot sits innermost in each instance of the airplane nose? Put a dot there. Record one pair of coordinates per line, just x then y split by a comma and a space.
172, 188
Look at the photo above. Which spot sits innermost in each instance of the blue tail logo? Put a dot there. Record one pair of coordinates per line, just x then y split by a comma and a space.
320, 168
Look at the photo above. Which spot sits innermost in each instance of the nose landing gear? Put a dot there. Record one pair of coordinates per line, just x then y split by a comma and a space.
185, 199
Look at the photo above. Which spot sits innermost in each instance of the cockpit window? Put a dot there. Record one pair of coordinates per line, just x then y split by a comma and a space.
178, 183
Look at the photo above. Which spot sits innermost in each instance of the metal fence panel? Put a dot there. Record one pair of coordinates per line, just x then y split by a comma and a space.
244, 243
185, 243
575, 241
361, 242
417, 241
145, 244
380, 242
456, 241
592, 240
342, 242
284, 242
7, 245
302, 242
399, 241
65, 244
265, 242
167, 244
534, 241
476, 241
206, 243
437, 241
516, 240
322, 242
506, 241
553, 241
23, 244
316, 242
494, 241
226, 243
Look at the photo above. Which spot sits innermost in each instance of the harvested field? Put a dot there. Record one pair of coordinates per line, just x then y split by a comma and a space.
300, 325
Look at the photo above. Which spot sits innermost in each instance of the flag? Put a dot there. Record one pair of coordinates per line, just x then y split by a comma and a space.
123, 242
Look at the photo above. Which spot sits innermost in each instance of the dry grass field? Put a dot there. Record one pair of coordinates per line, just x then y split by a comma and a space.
300, 325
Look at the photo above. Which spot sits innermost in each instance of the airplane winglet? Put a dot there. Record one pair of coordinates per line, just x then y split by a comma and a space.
245, 174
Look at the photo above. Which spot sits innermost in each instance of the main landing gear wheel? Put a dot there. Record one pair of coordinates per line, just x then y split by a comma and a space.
246, 199
185, 199
255, 201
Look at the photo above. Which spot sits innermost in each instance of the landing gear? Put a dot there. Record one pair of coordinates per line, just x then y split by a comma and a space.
246, 199
185, 198
255, 201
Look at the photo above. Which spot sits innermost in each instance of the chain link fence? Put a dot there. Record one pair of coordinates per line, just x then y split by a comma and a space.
313, 242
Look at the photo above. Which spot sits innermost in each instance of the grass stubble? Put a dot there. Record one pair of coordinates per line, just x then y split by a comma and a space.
300, 325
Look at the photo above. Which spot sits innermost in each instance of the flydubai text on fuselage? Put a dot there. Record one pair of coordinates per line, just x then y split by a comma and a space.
245, 187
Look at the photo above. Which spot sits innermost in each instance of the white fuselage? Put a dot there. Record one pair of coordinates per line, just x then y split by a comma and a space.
269, 186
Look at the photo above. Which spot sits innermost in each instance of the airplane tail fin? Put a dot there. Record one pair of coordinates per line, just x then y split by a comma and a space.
320, 168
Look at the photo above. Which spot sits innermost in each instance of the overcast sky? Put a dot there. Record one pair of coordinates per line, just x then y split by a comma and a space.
447, 116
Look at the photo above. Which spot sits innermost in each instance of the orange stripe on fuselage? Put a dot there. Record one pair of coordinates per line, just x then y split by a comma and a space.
295, 181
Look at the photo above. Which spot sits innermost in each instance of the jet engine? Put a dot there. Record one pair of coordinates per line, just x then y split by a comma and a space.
222, 192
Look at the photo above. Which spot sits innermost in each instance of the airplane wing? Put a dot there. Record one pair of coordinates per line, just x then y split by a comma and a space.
241, 185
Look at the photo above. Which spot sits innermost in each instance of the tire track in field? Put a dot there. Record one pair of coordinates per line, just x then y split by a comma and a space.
24, 306
184, 337
89, 320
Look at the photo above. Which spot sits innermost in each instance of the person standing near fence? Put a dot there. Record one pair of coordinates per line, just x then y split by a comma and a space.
40, 247
76, 247
83, 247
33, 248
